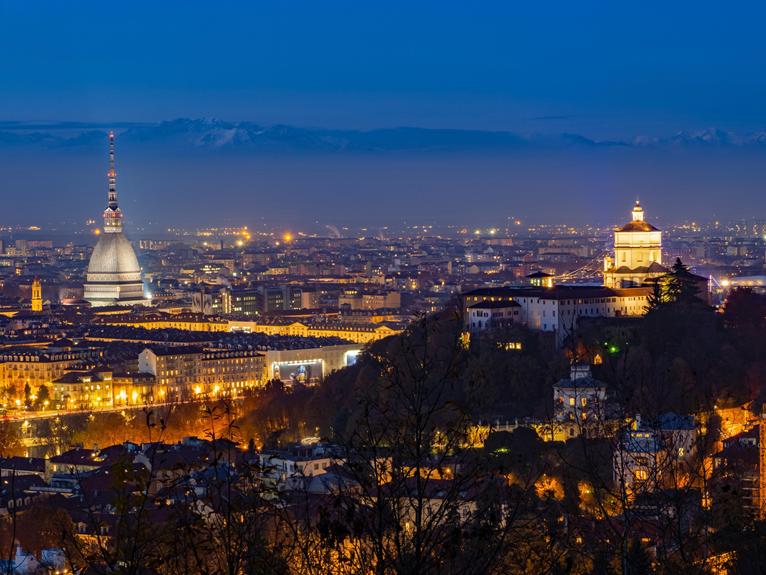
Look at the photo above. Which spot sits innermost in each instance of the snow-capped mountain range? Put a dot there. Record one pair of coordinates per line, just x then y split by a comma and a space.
222, 135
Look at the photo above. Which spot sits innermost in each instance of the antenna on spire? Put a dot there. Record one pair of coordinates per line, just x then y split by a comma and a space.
112, 174
112, 214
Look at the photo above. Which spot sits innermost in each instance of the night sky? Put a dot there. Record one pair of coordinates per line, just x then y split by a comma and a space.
609, 72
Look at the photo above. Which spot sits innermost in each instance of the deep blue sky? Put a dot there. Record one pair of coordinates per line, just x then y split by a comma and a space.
636, 67
600, 69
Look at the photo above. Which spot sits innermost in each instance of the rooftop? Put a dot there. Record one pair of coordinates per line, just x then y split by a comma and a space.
558, 292
494, 305
638, 226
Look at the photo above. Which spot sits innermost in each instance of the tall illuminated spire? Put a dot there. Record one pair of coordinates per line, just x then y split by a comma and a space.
112, 214
112, 174
114, 274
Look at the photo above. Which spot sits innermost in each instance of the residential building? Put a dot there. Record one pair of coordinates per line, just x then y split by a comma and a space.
184, 372
289, 468
580, 397
41, 366
487, 315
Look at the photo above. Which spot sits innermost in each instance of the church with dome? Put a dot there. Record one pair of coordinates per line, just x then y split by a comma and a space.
114, 275
637, 253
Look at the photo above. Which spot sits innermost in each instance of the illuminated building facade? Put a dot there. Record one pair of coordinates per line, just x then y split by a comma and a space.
83, 390
579, 398
557, 309
41, 367
185, 322
350, 332
637, 253
243, 302
113, 276
135, 389
354, 299
650, 455
183, 373
314, 363
355, 332
261, 300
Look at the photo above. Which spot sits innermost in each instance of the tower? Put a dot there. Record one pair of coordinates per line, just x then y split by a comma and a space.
637, 253
114, 276
37, 295
112, 213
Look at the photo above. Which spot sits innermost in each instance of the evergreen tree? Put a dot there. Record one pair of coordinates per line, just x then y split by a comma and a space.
681, 284
43, 395
27, 395
655, 298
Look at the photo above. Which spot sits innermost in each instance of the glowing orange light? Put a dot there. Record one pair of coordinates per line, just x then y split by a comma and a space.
97, 232
287, 237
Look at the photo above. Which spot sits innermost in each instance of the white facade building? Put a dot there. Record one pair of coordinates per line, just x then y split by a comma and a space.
579, 398
637, 253
493, 314
558, 309
290, 468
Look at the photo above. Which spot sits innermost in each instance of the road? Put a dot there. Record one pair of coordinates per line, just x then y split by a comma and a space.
21, 416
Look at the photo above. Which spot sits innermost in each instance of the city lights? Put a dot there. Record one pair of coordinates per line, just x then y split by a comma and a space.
396, 288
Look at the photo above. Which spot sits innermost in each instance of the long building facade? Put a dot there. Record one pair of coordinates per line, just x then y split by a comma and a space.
350, 331
557, 309
34, 368
183, 373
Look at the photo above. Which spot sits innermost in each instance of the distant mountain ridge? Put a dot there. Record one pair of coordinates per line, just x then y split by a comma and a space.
221, 135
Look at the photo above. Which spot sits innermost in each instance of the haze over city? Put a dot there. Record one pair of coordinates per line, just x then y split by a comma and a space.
594, 103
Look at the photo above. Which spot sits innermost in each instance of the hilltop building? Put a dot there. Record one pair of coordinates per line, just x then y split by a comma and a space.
637, 253
555, 309
579, 398
114, 276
